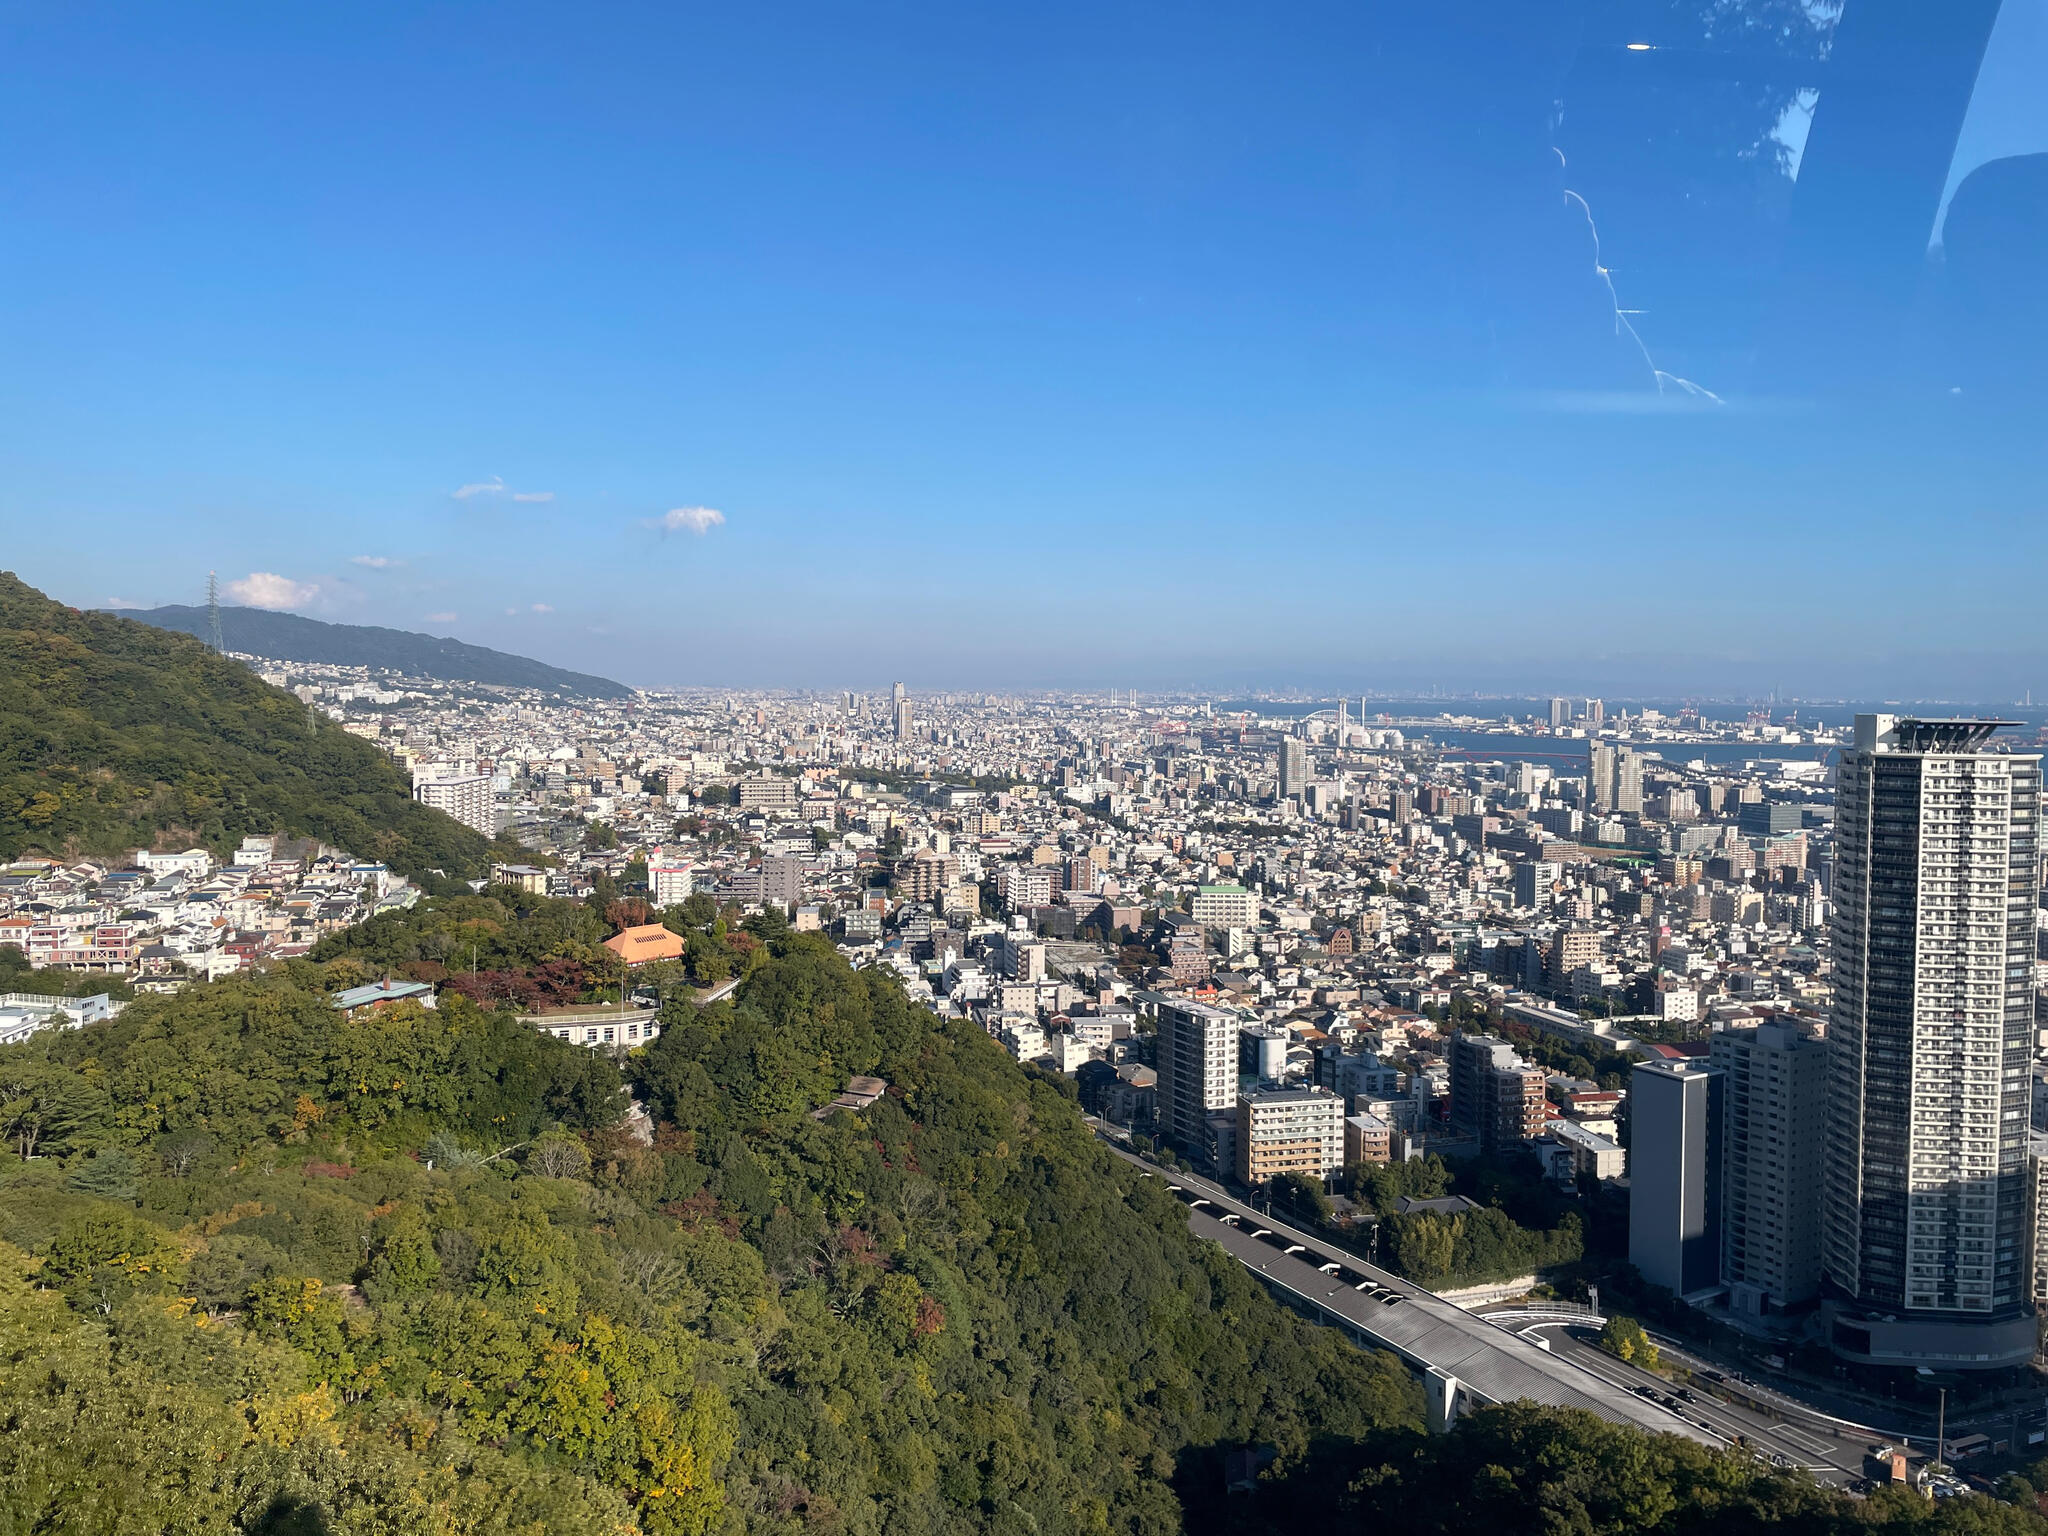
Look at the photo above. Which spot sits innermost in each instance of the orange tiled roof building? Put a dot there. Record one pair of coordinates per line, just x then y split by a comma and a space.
637, 946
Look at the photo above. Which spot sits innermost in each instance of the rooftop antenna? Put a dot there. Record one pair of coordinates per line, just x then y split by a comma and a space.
213, 613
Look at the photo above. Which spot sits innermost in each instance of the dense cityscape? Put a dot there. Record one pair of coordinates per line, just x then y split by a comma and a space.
1084, 770
1299, 947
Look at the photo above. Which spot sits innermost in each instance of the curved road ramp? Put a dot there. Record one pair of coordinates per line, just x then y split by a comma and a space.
1463, 1359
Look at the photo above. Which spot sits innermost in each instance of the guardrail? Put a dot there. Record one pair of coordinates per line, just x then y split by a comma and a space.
1563, 1312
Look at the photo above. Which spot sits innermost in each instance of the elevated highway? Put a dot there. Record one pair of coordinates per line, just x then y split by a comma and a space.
1462, 1358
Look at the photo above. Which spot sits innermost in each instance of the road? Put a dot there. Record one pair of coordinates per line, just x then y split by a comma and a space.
1832, 1450
1430, 1331
1462, 1357
1826, 1409
1779, 1427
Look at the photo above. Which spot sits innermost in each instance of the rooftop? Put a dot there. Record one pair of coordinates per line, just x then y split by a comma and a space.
386, 991
650, 941
1907, 733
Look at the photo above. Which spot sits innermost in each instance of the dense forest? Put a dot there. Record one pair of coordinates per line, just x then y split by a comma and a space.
1519, 1469
1522, 1225
505, 945
413, 1271
115, 735
271, 1270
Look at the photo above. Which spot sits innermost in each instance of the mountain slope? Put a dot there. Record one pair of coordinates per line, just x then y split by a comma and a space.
288, 637
951, 1314
114, 735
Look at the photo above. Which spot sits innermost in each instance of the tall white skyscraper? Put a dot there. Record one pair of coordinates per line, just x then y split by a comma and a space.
1197, 1069
1628, 782
1293, 766
1600, 775
1925, 1225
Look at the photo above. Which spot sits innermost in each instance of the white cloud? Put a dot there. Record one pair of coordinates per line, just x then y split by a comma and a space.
122, 602
496, 486
543, 608
376, 562
439, 618
267, 589
697, 520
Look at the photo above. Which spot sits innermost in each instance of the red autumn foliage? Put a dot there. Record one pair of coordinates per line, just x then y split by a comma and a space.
699, 1211
858, 1248
628, 912
551, 984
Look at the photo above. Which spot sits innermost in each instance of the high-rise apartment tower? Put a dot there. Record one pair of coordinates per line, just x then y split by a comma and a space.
1600, 776
1197, 1069
1924, 1247
1293, 766
1773, 1100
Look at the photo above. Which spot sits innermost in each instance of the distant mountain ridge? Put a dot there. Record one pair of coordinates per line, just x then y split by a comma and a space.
289, 637
116, 735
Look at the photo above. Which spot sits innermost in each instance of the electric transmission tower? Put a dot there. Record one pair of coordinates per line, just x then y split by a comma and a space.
213, 613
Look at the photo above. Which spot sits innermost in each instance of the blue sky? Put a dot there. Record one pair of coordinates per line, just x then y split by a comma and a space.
1161, 346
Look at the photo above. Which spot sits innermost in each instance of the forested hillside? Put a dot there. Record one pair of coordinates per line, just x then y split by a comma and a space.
114, 735
269, 1270
291, 637
952, 1312
1519, 1469
508, 945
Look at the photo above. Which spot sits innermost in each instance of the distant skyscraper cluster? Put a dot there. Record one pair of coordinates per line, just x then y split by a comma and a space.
1616, 779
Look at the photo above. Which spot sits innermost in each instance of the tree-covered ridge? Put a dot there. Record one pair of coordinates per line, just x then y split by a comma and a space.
503, 945
160, 1419
273, 1270
259, 1063
115, 735
1518, 1469
292, 637
952, 1312
509, 946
